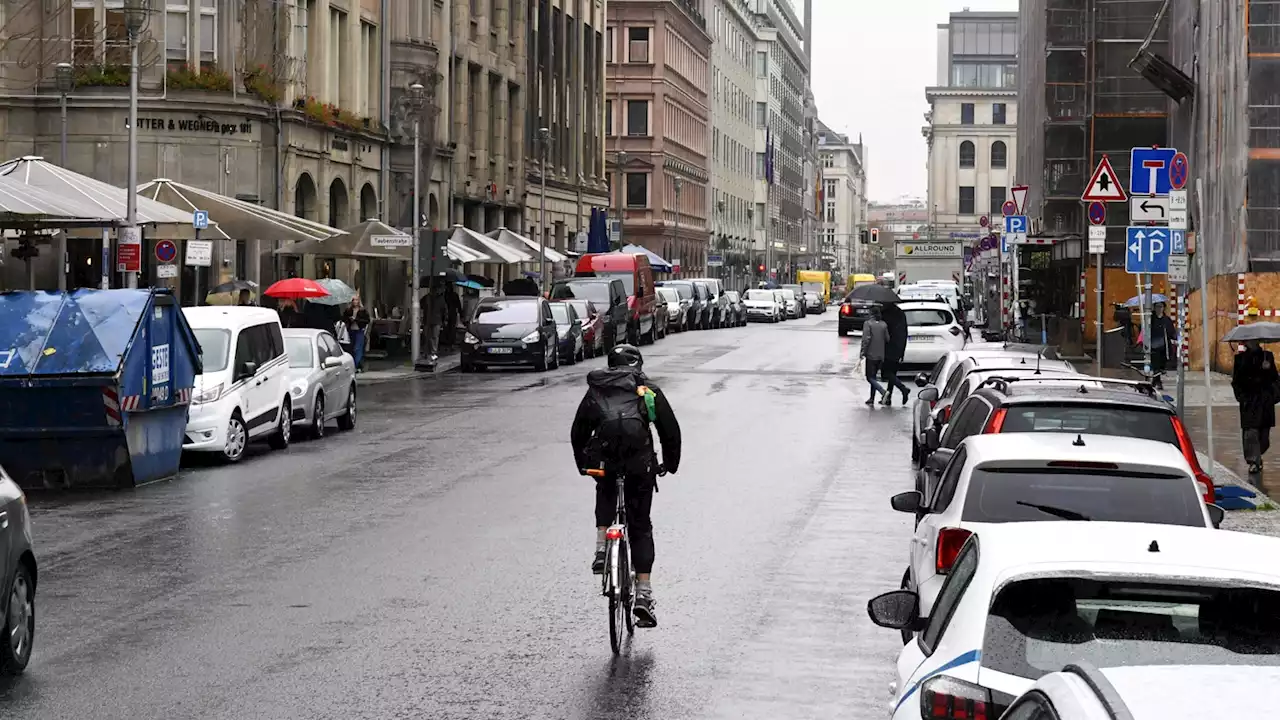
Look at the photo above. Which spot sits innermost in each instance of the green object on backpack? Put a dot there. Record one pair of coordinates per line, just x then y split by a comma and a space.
650, 403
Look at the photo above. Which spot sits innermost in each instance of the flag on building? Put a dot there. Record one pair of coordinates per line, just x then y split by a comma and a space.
768, 155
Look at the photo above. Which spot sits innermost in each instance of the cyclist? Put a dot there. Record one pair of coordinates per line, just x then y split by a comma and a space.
612, 428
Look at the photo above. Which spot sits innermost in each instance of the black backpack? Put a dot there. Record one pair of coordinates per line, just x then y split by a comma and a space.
623, 432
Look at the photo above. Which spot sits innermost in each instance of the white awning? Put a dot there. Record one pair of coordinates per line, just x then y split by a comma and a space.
464, 254
475, 241
524, 244
230, 218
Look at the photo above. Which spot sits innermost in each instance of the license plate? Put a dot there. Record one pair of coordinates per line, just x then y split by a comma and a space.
500, 351
919, 338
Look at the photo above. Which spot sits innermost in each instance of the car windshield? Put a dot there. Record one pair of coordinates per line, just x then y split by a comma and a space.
1001, 495
214, 343
765, 295
560, 312
732, 295
627, 277
581, 307
915, 292
671, 295
786, 293
1091, 419
684, 290
301, 351
814, 287
507, 311
597, 292
927, 317
1037, 626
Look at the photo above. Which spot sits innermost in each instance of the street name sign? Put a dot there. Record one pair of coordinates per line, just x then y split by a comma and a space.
389, 241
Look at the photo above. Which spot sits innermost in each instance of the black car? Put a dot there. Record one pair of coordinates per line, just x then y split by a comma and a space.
569, 327
853, 314
17, 579
609, 296
511, 331
693, 302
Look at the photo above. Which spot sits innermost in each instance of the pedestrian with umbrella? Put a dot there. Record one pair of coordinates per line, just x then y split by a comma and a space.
291, 290
1253, 381
875, 341
895, 349
1163, 337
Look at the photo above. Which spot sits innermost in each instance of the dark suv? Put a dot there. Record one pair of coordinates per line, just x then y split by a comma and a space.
609, 297
1087, 405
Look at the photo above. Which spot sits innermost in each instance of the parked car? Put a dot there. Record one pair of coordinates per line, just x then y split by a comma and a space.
675, 307
690, 302
1024, 599
511, 331
322, 380
739, 309
592, 326
933, 330
637, 279
707, 304
719, 313
813, 303
781, 298
572, 346
610, 298
764, 305
243, 394
18, 574
792, 303
798, 292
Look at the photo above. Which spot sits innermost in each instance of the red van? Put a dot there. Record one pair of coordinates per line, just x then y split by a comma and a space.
637, 280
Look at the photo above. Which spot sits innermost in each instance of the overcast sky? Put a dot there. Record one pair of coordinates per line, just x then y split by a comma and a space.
872, 61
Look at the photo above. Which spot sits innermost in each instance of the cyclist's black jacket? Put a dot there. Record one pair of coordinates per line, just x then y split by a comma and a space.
586, 421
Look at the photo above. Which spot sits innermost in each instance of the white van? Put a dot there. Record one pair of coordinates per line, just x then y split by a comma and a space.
243, 394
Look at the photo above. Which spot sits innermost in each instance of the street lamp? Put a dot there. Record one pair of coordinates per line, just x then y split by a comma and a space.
63, 76
544, 134
417, 101
678, 183
135, 16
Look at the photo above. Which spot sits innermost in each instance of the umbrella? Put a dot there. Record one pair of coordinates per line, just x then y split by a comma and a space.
448, 274
296, 288
1266, 332
1136, 300
234, 286
521, 287
470, 285
487, 282
655, 260
340, 293
873, 292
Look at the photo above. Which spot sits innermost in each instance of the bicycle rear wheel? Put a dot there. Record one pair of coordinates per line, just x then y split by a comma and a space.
627, 585
617, 606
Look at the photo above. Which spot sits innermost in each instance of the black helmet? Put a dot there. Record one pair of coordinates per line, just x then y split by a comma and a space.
624, 355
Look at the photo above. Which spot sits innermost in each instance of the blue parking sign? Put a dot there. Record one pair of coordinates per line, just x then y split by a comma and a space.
1147, 250
1178, 238
200, 219
1149, 170
1015, 224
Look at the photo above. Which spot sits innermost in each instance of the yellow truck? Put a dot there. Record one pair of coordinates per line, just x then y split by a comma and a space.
818, 281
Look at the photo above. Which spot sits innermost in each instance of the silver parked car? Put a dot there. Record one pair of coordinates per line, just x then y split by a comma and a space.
17, 579
322, 380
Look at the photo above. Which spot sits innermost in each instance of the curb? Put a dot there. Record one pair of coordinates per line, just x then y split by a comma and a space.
1224, 476
444, 365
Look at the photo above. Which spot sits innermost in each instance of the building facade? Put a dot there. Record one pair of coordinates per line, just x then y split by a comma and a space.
565, 68
845, 203
973, 121
736, 64
785, 144
658, 119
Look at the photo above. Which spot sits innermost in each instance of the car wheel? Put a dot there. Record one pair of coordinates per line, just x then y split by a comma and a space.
542, 363
279, 439
571, 358
237, 438
582, 354
317, 417
555, 360
19, 624
841, 331
347, 420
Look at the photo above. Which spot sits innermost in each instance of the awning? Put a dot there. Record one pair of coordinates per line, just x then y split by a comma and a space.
655, 260
369, 239
496, 250
109, 200
524, 244
464, 254
235, 219
30, 207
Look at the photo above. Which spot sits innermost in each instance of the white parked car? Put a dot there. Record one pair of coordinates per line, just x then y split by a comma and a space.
813, 302
676, 308
1026, 477
762, 305
243, 393
791, 303
1081, 691
1025, 599
932, 332
322, 380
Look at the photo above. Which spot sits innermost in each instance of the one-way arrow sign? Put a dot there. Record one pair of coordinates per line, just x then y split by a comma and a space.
1103, 186
1149, 209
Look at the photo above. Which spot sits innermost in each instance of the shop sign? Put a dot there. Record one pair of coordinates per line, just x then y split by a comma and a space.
198, 125
929, 250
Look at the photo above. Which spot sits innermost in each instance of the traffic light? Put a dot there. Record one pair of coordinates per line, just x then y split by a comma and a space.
875, 236
760, 268
864, 237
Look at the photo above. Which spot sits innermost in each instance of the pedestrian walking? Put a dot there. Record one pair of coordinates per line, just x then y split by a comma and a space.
289, 315
433, 315
356, 319
1163, 337
1253, 380
896, 320
875, 341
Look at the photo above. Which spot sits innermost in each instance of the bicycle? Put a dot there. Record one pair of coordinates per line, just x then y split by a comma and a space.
618, 581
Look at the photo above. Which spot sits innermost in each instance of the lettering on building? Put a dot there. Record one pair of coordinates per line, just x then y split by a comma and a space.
195, 126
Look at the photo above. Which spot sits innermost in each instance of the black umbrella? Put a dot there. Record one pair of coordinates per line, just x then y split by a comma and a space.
521, 287
446, 275
897, 322
485, 281
234, 286
873, 292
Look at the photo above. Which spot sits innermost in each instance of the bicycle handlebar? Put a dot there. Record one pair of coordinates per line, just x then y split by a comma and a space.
599, 473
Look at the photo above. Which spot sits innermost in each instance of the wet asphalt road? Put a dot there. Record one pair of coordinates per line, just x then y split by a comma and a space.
434, 562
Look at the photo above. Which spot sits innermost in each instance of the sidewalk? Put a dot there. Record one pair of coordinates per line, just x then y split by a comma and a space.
377, 372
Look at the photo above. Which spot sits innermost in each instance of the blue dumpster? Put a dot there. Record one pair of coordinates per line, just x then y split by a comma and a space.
94, 387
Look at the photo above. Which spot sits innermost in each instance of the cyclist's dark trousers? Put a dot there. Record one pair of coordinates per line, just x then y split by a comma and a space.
639, 502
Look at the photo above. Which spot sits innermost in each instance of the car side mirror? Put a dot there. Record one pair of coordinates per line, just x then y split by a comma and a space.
332, 361
922, 380
929, 394
1216, 514
577, 323
897, 610
907, 502
247, 369
931, 439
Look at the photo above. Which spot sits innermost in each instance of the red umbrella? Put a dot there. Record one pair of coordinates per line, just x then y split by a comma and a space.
296, 288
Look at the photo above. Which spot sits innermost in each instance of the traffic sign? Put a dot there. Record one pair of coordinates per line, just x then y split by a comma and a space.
1179, 170
715, 261
984, 221
1097, 213
390, 241
1178, 219
1147, 250
166, 271
1009, 208
200, 219
1178, 241
166, 251
1149, 170
1019, 198
1005, 240
1097, 240
1178, 200
200, 253
1178, 268
1015, 224
1148, 209
1103, 186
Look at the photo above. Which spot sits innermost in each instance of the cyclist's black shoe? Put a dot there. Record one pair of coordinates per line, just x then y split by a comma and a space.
646, 611
597, 563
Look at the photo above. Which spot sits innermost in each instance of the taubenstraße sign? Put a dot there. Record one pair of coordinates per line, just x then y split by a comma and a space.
929, 250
